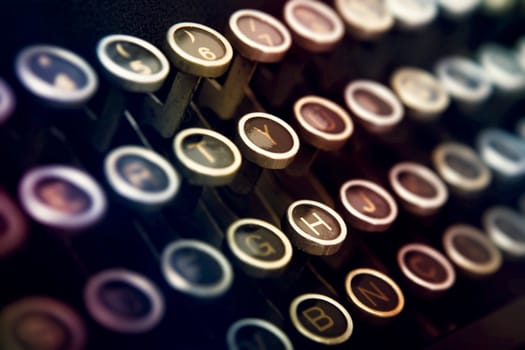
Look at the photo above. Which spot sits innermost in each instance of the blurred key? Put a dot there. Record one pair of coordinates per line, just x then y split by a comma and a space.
420, 189
413, 14
124, 301
256, 333
7, 101
461, 168
321, 319
457, 9
365, 19
506, 228
428, 272
420, 92
471, 250
374, 105
196, 269
143, 178
62, 197
502, 68
503, 152
39, 322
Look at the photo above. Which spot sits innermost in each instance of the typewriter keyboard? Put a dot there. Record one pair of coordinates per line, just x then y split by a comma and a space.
297, 174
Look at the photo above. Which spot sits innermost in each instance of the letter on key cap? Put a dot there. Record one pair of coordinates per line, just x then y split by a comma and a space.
321, 319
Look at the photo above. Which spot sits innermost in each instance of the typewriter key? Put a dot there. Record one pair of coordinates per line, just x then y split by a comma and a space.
258, 37
464, 80
461, 167
196, 51
41, 323
471, 250
421, 191
62, 197
374, 105
457, 9
506, 228
260, 248
314, 227
206, 157
520, 127
248, 333
503, 152
426, 268
13, 226
7, 101
141, 176
374, 294
56, 76
321, 319
365, 19
413, 14
322, 124
369, 207
420, 92
124, 301
196, 268
314, 26
502, 68
133, 65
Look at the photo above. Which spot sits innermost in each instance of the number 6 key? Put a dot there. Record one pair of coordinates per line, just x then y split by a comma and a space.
196, 51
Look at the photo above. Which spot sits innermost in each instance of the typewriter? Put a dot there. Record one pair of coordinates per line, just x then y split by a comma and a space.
298, 174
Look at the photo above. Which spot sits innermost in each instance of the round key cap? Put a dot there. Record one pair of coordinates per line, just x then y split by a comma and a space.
206, 157
458, 8
256, 333
321, 319
420, 92
426, 268
13, 225
464, 80
55, 75
260, 248
374, 294
41, 323
62, 197
413, 14
421, 191
369, 207
324, 124
266, 140
198, 50
374, 105
471, 250
124, 301
502, 151
195, 268
258, 36
7, 101
132, 63
314, 25
141, 176
314, 227
461, 167
506, 228
365, 19
502, 67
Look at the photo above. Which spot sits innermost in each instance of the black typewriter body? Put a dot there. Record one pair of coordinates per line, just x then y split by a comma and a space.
475, 312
